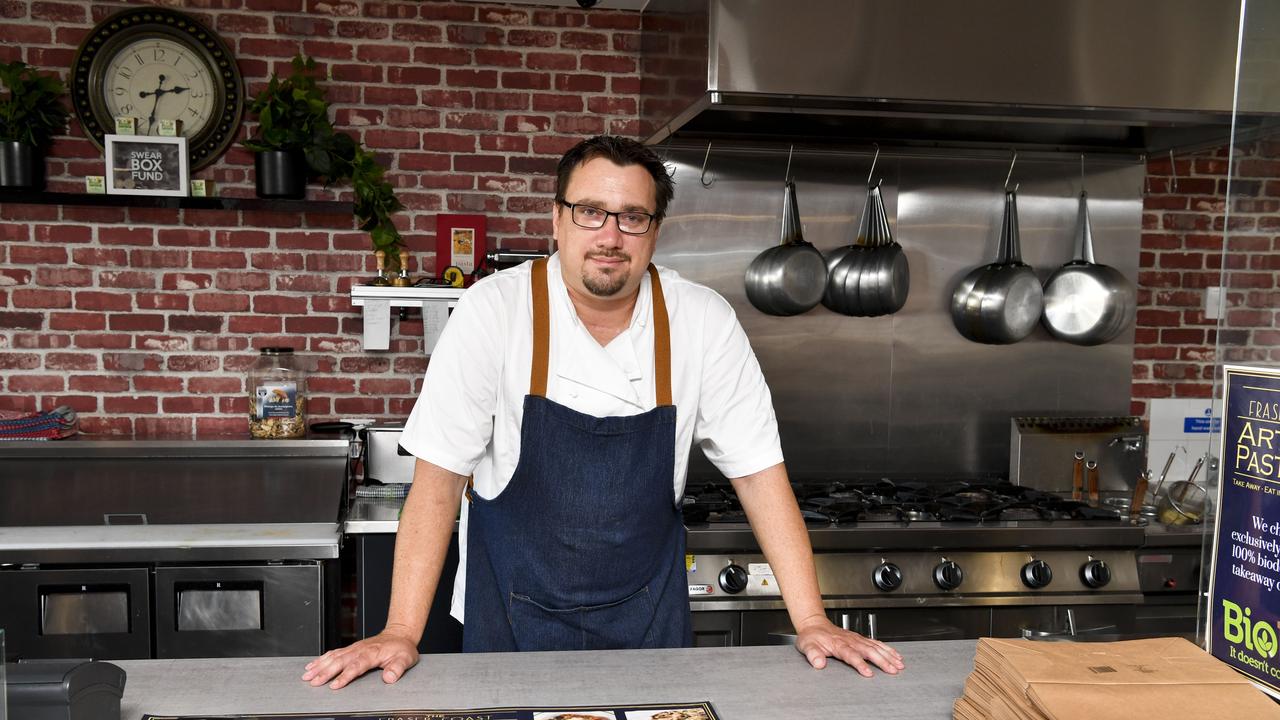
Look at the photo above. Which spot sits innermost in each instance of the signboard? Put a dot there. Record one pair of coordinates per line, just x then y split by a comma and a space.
681, 711
1244, 595
144, 165
460, 243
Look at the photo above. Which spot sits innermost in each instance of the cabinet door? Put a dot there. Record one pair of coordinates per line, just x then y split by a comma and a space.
375, 555
100, 613
717, 628
239, 611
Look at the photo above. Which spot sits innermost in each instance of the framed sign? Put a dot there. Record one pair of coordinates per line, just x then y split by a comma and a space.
146, 165
460, 243
1244, 597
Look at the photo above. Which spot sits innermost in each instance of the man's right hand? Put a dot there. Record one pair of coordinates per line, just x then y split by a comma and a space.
394, 653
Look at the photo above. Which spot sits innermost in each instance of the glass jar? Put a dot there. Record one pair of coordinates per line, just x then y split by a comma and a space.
277, 396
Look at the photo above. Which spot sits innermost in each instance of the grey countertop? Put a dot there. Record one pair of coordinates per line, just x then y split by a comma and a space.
742, 683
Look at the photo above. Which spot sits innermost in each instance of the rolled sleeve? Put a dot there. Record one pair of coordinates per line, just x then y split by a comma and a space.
452, 422
736, 426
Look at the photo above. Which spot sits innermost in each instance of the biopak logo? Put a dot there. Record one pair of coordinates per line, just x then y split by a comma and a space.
1237, 627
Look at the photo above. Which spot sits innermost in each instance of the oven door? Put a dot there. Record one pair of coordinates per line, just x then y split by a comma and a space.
100, 613
239, 611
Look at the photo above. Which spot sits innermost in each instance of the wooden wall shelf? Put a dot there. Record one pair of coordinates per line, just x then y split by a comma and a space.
334, 207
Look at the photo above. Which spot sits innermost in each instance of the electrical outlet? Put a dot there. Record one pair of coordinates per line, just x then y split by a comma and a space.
1213, 303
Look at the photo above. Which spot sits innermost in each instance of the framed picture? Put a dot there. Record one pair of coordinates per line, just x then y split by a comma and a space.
460, 242
146, 165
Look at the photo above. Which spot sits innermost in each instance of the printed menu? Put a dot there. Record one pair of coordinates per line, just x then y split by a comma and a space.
677, 711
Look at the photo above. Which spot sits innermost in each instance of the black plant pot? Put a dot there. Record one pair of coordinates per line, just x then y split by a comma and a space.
21, 167
281, 174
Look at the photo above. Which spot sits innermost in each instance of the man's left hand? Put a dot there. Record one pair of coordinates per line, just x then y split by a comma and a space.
821, 639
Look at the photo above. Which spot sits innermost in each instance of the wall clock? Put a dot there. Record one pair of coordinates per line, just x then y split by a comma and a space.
152, 64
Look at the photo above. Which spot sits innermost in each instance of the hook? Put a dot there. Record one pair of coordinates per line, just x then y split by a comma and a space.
787, 175
703, 178
1173, 172
666, 144
1081, 171
1009, 177
871, 173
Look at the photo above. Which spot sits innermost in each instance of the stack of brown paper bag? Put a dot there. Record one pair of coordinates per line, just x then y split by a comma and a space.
1166, 678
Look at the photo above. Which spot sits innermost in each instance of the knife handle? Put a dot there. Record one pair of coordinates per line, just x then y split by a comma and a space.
1077, 476
1139, 495
1092, 468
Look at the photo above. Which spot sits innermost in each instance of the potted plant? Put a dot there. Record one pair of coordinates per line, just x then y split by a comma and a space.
31, 115
295, 141
293, 117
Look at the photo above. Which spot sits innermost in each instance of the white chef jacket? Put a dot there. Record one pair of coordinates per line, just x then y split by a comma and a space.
467, 419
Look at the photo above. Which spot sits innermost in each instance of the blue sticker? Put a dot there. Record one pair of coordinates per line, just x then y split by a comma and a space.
1201, 425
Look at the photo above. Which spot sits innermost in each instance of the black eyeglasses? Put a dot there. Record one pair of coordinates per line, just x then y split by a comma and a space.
630, 222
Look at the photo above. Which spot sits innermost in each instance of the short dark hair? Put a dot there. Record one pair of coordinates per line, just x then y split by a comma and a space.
620, 151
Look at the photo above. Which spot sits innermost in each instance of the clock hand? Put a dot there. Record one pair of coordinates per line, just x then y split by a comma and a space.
151, 119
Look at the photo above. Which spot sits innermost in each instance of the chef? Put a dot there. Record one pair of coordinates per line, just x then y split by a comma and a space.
559, 409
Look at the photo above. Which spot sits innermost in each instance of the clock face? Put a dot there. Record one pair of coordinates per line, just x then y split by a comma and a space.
160, 79
155, 64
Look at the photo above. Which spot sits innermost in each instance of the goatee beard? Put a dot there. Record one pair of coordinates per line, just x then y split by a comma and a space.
605, 284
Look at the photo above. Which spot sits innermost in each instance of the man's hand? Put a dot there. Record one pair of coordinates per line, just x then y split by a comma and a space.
393, 653
820, 639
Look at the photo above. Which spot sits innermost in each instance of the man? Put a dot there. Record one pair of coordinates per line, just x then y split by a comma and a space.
571, 390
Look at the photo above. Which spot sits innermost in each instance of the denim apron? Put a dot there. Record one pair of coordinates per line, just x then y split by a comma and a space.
584, 548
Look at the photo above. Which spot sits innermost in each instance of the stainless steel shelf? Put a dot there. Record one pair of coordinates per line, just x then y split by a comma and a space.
377, 301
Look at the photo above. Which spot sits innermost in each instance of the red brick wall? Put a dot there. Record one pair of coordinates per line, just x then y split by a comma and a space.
145, 320
1185, 213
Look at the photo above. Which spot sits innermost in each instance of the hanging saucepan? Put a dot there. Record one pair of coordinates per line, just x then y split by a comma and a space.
790, 278
870, 277
1086, 303
1000, 303
883, 284
838, 269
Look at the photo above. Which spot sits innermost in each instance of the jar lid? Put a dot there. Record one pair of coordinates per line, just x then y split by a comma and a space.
276, 351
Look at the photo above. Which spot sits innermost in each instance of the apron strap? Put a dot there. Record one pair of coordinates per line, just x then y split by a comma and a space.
541, 330
542, 335
661, 342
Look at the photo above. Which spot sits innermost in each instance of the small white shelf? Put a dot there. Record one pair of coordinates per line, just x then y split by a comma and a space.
377, 301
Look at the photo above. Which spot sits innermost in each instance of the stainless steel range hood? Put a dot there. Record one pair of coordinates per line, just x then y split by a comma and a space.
1081, 75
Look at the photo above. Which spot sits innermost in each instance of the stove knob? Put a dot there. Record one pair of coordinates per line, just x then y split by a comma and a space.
1095, 574
1037, 574
948, 575
887, 576
733, 579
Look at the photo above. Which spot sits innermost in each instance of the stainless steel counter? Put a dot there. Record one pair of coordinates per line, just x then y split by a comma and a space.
84, 482
742, 683
169, 543
381, 515
373, 515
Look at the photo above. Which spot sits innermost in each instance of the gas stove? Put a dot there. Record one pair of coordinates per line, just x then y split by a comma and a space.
851, 502
973, 553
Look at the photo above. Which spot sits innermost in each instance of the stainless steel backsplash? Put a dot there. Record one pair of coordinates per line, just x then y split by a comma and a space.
906, 394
